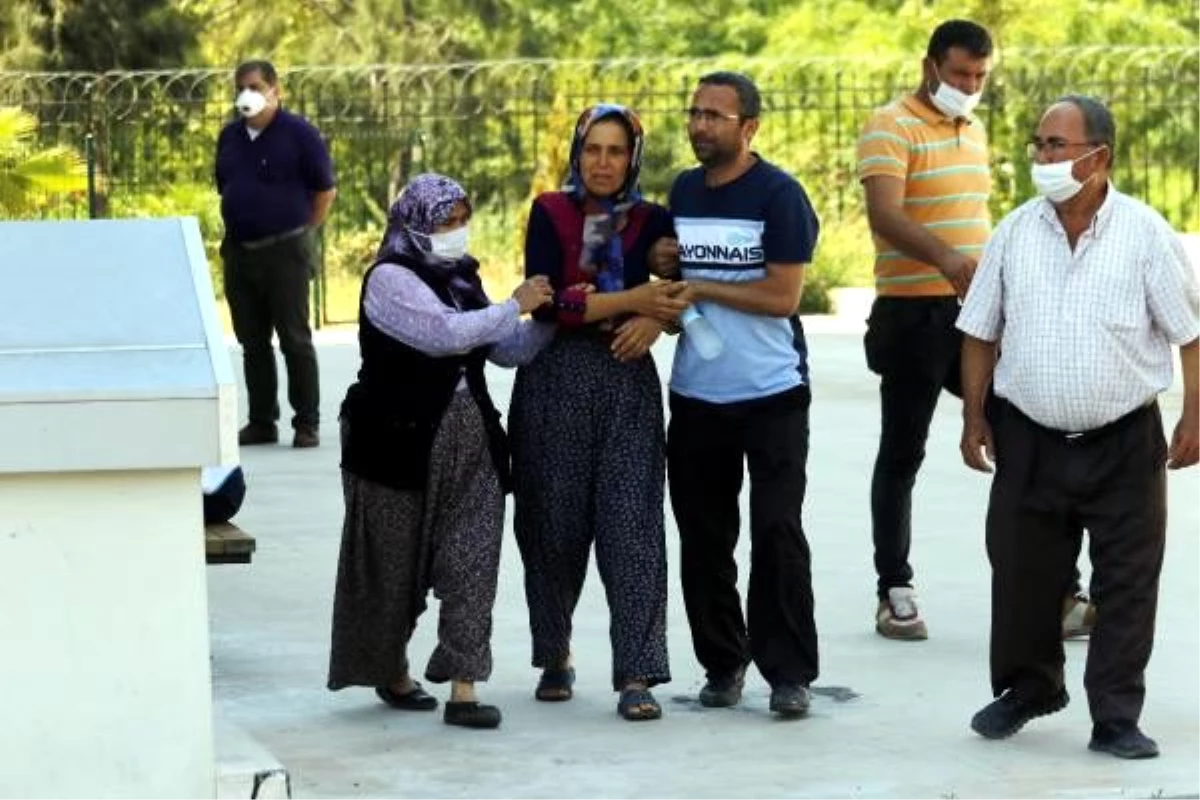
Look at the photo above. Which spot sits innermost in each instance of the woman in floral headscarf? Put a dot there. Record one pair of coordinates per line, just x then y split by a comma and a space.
587, 419
424, 458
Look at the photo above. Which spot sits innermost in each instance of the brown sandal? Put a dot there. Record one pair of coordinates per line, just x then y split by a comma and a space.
638, 704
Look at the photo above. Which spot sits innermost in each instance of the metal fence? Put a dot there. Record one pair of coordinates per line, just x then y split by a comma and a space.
503, 128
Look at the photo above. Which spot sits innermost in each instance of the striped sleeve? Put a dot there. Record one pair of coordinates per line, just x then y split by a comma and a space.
883, 149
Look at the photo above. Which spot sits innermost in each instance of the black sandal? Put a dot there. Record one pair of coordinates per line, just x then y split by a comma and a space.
471, 714
415, 699
636, 705
555, 685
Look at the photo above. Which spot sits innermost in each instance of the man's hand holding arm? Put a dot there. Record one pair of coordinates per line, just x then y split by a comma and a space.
885, 213
663, 258
660, 300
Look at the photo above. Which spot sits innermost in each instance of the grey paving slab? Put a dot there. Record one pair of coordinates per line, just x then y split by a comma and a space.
889, 719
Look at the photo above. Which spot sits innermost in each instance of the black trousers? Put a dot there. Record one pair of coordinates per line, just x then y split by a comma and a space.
707, 445
1047, 488
267, 290
913, 345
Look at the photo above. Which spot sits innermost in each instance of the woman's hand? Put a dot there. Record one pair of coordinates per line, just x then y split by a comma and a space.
635, 337
533, 293
661, 300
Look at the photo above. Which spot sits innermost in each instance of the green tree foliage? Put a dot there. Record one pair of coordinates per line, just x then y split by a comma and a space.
19, 22
30, 176
447, 31
503, 128
99, 35
902, 27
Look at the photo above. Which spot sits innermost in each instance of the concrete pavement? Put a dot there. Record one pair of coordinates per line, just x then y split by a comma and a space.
889, 718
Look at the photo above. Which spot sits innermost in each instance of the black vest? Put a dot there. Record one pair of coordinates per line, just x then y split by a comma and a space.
391, 414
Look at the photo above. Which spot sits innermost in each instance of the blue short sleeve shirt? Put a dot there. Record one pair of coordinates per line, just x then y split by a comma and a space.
730, 233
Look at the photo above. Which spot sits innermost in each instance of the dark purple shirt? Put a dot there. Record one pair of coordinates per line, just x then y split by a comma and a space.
266, 184
544, 256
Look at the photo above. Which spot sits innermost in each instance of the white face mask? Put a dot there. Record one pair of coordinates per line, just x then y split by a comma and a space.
953, 102
449, 246
250, 103
1055, 182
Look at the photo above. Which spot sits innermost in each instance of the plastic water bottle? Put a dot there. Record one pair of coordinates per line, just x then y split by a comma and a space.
701, 333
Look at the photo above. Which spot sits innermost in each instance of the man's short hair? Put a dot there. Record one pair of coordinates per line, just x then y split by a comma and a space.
1098, 123
749, 100
970, 36
265, 68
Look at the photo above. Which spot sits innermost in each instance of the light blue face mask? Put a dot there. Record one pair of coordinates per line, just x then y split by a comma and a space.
451, 245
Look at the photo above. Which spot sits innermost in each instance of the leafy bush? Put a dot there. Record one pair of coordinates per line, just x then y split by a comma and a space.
844, 257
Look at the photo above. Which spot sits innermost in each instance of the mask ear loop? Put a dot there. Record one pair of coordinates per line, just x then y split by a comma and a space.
424, 240
937, 74
1089, 154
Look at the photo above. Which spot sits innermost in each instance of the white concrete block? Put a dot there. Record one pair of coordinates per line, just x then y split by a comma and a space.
245, 768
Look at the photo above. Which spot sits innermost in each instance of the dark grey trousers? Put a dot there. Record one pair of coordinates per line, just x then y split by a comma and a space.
1046, 490
267, 290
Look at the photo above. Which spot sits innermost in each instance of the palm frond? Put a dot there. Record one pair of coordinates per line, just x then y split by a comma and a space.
55, 169
30, 176
17, 128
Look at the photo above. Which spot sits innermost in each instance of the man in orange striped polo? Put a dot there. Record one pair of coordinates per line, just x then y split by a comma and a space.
923, 163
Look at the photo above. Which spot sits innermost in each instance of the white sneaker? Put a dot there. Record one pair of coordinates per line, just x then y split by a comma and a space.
898, 617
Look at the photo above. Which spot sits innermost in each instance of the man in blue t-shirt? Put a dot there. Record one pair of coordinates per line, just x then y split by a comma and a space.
275, 179
746, 232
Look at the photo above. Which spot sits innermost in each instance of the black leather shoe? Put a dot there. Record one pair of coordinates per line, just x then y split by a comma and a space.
724, 691
471, 714
258, 433
1008, 713
306, 437
415, 699
790, 700
1122, 739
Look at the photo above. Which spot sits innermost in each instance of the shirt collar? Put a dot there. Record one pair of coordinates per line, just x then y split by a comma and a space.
1099, 222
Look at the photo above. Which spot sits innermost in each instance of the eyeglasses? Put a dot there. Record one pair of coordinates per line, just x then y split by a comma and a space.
1053, 146
710, 117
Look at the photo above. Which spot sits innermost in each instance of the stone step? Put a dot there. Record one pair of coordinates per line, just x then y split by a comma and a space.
245, 768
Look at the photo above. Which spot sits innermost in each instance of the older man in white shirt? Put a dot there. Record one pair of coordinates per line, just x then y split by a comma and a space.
1079, 298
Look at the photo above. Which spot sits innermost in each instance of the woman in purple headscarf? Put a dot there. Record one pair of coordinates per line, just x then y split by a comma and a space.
425, 462
587, 418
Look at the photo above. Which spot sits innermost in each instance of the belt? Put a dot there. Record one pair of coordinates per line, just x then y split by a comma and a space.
1075, 438
267, 241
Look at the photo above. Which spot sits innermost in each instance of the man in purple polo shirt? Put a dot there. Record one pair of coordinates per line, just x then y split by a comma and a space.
275, 179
